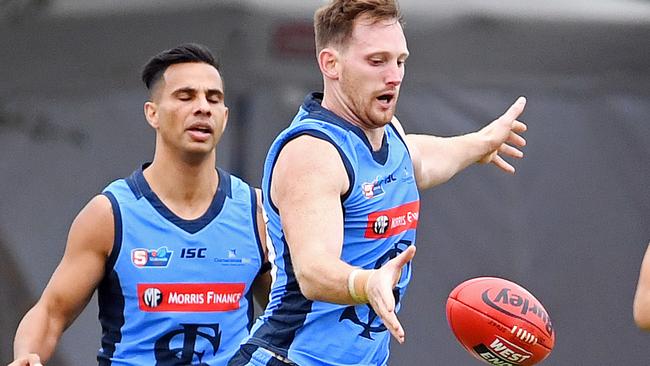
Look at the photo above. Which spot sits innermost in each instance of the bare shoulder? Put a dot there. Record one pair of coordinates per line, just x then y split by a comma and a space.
93, 228
307, 165
311, 154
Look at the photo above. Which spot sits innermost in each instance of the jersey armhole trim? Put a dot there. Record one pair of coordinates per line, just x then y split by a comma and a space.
401, 137
117, 224
322, 136
256, 231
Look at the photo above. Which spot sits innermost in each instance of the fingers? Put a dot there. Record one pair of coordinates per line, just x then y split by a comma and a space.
394, 327
516, 109
511, 151
383, 303
516, 140
518, 126
403, 258
503, 165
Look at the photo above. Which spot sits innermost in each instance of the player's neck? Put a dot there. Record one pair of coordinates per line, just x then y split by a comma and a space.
334, 102
185, 187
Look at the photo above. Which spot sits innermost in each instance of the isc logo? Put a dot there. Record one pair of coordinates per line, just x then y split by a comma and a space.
193, 252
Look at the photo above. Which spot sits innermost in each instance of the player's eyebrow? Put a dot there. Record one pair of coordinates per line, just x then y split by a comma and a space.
214, 93
192, 91
184, 90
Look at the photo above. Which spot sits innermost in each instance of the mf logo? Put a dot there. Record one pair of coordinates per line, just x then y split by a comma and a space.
152, 297
371, 322
178, 347
380, 225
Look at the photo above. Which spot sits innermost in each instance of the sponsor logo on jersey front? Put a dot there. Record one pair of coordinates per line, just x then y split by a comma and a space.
375, 188
151, 258
193, 253
232, 259
502, 353
190, 297
407, 177
152, 297
383, 224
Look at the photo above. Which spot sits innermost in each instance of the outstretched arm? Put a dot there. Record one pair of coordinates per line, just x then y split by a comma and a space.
71, 286
308, 181
438, 159
642, 296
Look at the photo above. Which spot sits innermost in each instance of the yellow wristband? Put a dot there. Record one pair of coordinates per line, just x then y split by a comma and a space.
352, 288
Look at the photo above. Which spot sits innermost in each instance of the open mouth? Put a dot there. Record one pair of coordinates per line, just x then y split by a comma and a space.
200, 132
200, 128
386, 98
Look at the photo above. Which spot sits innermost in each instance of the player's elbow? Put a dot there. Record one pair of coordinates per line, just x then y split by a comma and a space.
309, 292
312, 282
307, 285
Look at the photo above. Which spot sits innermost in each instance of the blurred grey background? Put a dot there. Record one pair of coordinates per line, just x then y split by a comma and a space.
571, 225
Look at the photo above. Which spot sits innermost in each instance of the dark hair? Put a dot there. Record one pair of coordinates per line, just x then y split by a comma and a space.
187, 52
333, 23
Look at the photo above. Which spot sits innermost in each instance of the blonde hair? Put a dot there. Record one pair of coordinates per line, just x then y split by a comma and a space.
333, 23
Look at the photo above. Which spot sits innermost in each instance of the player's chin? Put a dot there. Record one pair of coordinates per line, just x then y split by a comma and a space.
383, 118
200, 148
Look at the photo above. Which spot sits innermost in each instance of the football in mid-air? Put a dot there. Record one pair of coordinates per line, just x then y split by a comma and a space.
500, 322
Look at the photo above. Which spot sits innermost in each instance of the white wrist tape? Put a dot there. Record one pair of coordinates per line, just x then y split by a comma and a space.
352, 288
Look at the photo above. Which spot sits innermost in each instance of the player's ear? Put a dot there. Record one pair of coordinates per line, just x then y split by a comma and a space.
328, 59
151, 113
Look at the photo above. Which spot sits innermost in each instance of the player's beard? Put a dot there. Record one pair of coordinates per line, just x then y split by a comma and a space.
366, 108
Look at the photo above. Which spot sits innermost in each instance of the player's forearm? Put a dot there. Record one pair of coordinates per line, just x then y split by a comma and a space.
327, 281
441, 158
38, 333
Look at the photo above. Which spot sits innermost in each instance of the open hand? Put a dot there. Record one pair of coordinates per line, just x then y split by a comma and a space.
379, 289
502, 135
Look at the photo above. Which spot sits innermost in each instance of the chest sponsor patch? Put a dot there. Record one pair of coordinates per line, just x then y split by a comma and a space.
383, 224
190, 297
151, 258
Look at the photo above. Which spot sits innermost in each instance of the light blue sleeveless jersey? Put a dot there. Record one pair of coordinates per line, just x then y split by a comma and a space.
380, 217
177, 292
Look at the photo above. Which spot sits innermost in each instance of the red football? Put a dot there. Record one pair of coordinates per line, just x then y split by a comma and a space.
500, 322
